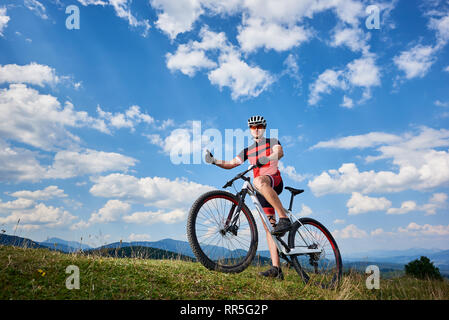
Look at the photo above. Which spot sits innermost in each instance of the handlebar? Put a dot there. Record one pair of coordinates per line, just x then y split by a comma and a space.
239, 176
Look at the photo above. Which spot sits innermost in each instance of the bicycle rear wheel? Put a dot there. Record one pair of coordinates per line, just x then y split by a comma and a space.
219, 241
324, 268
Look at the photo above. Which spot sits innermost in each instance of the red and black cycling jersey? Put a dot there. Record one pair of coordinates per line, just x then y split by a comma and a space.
264, 147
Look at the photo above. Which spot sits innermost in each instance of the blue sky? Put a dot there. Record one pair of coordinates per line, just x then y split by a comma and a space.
91, 116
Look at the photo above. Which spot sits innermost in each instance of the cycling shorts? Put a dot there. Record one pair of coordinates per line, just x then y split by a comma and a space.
277, 184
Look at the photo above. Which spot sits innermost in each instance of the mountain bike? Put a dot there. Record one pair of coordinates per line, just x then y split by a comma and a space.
223, 235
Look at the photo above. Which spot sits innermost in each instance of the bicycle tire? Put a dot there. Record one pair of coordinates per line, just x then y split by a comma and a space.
206, 258
331, 268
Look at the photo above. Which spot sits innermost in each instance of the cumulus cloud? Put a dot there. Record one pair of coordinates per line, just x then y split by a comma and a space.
256, 33
37, 7
362, 204
415, 229
416, 62
420, 165
242, 79
177, 16
32, 73
39, 216
122, 9
362, 72
353, 38
159, 216
47, 193
17, 204
4, 19
271, 25
159, 192
406, 207
436, 202
18, 164
69, 164
129, 119
350, 232
40, 120
170, 198
326, 81
290, 172
192, 57
112, 211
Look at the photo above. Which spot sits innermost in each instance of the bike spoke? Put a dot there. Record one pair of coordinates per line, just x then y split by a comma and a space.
225, 246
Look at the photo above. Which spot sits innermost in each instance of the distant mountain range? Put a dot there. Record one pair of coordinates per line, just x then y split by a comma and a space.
388, 260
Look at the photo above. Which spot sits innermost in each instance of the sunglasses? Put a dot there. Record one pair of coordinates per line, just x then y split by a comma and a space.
259, 126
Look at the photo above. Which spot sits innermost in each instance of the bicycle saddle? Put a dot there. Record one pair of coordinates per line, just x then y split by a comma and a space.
294, 191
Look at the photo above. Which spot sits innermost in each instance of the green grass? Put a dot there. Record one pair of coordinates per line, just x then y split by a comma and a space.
40, 274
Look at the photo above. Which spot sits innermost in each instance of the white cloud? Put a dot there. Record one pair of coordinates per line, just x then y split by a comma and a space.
176, 16
415, 229
290, 172
159, 192
160, 216
436, 202
406, 207
257, 33
362, 204
416, 62
32, 73
139, 237
305, 211
347, 102
39, 216
420, 166
69, 164
354, 38
4, 19
18, 164
188, 61
17, 204
229, 71
350, 232
37, 7
438, 103
129, 119
122, 10
112, 211
369, 140
326, 81
362, 72
49, 192
292, 11
40, 120
441, 26
292, 69
242, 79
191, 57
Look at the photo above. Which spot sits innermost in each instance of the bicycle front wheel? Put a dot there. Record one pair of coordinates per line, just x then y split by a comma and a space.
219, 240
323, 268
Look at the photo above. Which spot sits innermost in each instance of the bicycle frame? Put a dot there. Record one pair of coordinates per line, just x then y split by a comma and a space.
281, 246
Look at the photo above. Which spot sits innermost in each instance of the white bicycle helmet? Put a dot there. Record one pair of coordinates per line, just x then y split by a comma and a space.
255, 120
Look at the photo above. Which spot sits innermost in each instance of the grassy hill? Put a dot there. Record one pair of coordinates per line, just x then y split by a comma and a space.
138, 252
27, 273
